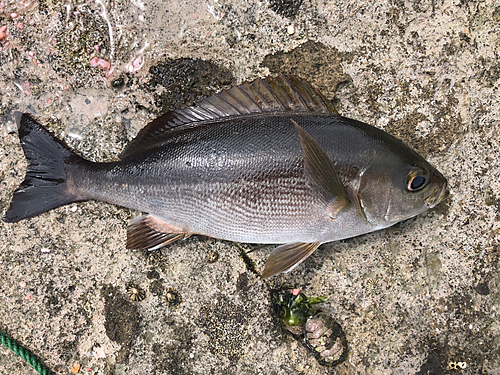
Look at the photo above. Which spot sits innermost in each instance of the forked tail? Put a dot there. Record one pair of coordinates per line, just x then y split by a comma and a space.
46, 183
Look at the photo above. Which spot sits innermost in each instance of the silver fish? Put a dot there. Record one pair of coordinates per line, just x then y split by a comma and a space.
267, 162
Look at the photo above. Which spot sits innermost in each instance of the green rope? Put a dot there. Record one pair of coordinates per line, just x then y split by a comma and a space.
24, 354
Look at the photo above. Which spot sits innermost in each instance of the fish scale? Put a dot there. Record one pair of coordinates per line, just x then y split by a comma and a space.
285, 201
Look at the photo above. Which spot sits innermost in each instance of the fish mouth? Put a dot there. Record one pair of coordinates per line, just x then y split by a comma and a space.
439, 195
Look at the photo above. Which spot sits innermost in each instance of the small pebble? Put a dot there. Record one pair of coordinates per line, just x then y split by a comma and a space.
117, 83
3, 32
489, 198
290, 29
45, 250
213, 257
172, 297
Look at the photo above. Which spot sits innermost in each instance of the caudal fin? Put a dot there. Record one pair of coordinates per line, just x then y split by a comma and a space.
45, 185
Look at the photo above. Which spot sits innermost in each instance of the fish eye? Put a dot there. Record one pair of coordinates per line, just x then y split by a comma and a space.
416, 180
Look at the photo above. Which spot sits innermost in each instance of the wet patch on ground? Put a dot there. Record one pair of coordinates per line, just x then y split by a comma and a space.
122, 320
286, 8
313, 61
187, 81
175, 358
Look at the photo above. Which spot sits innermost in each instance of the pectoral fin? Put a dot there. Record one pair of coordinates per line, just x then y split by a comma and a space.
150, 233
286, 257
320, 170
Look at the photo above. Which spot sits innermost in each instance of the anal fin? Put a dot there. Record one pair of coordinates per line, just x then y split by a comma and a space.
150, 233
286, 257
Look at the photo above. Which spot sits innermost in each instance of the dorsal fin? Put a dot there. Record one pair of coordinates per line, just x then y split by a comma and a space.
278, 94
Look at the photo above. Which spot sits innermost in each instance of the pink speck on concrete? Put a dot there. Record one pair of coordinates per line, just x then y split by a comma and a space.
3, 32
136, 64
109, 72
27, 88
99, 353
95, 62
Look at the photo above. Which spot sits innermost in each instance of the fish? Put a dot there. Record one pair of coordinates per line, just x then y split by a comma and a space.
265, 162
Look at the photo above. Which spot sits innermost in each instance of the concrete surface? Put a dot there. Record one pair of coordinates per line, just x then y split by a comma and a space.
414, 299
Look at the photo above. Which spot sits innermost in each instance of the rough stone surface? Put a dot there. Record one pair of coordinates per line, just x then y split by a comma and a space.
416, 298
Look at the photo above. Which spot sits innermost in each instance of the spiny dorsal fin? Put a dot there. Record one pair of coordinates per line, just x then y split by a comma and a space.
278, 94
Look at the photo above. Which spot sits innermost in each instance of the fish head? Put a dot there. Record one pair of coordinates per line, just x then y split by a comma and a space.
397, 186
